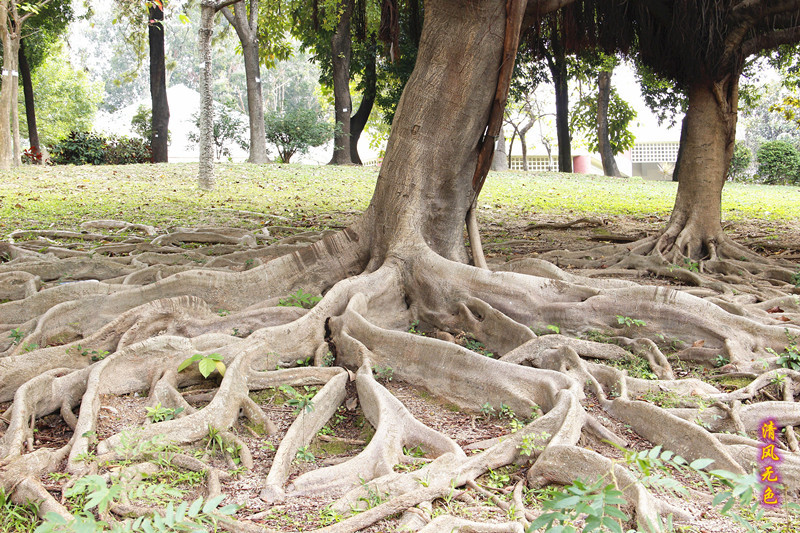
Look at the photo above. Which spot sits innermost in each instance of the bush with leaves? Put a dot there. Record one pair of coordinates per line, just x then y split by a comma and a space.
229, 129
296, 131
778, 162
87, 148
742, 156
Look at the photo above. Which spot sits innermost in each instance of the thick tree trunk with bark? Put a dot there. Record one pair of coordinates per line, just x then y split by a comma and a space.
359, 120
30, 104
158, 86
424, 188
695, 228
343, 108
604, 144
246, 26
205, 176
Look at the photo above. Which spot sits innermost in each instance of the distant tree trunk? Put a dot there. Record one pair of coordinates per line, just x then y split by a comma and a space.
8, 104
604, 144
359, 121
246, 26
340, 51
27, 90
707, 138
158, 85
523, 131
557, 62
205, 176
511, 146
499, 160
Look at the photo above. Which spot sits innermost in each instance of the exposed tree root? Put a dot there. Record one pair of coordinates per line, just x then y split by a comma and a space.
68, 348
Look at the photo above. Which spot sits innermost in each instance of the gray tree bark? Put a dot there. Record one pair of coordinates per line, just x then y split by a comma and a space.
499, 162
246, 26
205, 176
341, 51
604, 144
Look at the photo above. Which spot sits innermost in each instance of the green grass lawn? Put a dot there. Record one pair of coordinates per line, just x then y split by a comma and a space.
164, 195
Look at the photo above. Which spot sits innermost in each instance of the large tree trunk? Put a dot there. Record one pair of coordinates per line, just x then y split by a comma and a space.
604, 144
340, 51
246, 26
158, 85
30, 109
359, 120
424, 188
707, 142
205, 176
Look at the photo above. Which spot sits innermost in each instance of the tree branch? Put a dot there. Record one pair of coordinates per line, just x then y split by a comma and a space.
771, 40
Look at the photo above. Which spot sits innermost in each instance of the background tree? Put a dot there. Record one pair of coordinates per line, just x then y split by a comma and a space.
13, 18
43, 31
295, 130
67, 99
158, 82
601, 115
256, 43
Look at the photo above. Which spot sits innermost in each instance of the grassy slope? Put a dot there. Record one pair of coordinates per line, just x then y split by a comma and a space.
163, 195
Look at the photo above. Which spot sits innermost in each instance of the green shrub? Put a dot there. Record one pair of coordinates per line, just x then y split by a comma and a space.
742, 156
87, 148
79, 148
778, 162
295, 131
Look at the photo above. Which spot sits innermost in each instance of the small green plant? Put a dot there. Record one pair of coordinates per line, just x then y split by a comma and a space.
487, 410
597, 502
528, 445
206, 364
300, 299
778, 379
790, 358
299, 401
506, 412
328, 516
383, 373
796, 279
223, 312
16, 336
720, 360
477, 347
416, 451
328, 359
304, 455
17, 518
308, 361
629, 322
691, 266
161, 414
498, 479
214, 442
414, 328
31, 346
555, 329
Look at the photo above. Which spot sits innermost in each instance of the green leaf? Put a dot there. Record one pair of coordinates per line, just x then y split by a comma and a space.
206, 367
185, 364
700, 464
194, 509
612, 524
567, 502
213, 503
220, 366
